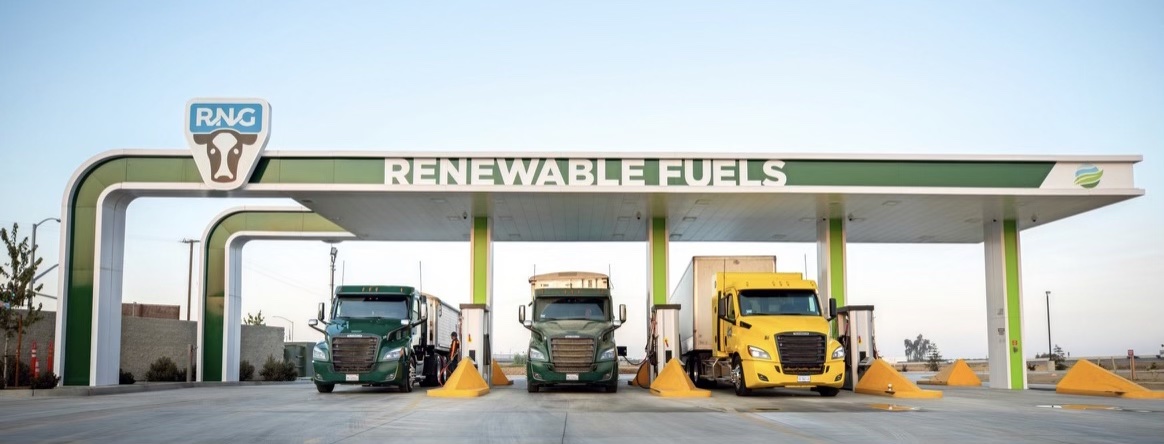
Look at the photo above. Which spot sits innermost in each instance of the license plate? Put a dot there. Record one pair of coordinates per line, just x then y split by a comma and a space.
352, 377
803, 378
571, 377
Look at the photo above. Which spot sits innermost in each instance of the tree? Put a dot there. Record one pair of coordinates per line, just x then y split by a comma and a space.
255, 319
933, 358
916, 350
17, 309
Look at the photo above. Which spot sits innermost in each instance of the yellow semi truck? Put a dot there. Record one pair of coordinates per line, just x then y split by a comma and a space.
743, 323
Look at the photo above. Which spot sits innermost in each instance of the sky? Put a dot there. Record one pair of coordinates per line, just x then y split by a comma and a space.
982, 77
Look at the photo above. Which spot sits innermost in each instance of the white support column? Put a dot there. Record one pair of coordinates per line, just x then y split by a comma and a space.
105, 347
1004, 304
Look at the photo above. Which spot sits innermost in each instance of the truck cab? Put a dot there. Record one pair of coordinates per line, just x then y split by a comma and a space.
771, 331
571, 331
371, 338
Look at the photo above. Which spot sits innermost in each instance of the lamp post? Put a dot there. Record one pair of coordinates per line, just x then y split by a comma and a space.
1049, 355
331, 287
189, 274
34, 227
292, 336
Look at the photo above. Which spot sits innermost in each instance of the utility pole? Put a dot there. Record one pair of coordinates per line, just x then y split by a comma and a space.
1049, 355
189, 275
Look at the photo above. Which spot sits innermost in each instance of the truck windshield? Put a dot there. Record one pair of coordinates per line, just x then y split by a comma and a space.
391, 307
778, 302
561, 309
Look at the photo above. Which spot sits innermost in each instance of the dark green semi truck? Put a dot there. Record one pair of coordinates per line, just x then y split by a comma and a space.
382, 335
572, 331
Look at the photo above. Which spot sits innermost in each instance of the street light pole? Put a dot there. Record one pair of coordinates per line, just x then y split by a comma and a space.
34, 227
334, 253
1049, 355
189, 275
291, 338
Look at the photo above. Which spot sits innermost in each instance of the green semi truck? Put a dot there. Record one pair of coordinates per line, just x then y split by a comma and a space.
572, 331
382, 335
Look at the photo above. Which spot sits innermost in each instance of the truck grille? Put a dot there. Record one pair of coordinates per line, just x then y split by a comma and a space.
353, 355
801, 354
572, 355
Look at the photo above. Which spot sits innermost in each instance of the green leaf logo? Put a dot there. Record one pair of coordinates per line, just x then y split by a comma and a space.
1088, 176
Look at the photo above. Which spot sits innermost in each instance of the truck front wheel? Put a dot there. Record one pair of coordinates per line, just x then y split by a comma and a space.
406, 385
828, 392
738, 378
532, 387
324, 388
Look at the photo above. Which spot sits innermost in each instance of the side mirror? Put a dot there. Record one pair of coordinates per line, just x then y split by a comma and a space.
312, 322
622, 313
832, 309
423, 312
320, 315
521, 314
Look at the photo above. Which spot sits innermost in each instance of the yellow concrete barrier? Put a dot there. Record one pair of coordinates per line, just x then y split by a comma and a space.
673, 382
957, 374
465, 382
498, 377
881, 379
1086, 378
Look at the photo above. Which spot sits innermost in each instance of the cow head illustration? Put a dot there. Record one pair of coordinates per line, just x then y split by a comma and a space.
227, 137
224, 149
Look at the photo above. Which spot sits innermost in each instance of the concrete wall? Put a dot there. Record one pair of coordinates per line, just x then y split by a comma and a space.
144, 340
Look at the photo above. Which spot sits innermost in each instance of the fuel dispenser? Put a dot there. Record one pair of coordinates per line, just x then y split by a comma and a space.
475, 338
664, 336
856, 334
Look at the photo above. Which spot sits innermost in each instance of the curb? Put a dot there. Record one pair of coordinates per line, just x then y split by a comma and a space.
75, 391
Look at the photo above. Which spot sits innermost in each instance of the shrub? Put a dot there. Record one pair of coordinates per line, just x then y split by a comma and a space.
246, 371
519, 359
124, 377
163, 370
278, 370
15, 378
46, 380
1152, 367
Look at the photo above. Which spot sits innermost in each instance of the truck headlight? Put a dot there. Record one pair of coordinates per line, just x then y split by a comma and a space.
536, 355
607, 355
839, 353
758, 353
319, 353
393, 355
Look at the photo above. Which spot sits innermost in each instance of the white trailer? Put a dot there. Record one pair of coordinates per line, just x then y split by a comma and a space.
696, 295
443, 319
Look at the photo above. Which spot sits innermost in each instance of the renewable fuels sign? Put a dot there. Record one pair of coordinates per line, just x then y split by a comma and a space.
585, 172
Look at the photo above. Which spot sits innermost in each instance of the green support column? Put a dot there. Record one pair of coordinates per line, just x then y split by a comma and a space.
831, 262
481, 251
657, 240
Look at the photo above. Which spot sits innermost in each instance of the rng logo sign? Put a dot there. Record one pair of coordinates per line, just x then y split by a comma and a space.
226, 137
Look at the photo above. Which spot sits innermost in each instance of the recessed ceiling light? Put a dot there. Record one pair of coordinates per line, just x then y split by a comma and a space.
453, 218
505, 218
438, 200
973, 220
808, 219
702, 201
676, 236
890, 203
856, 219
623, 218
688, 219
